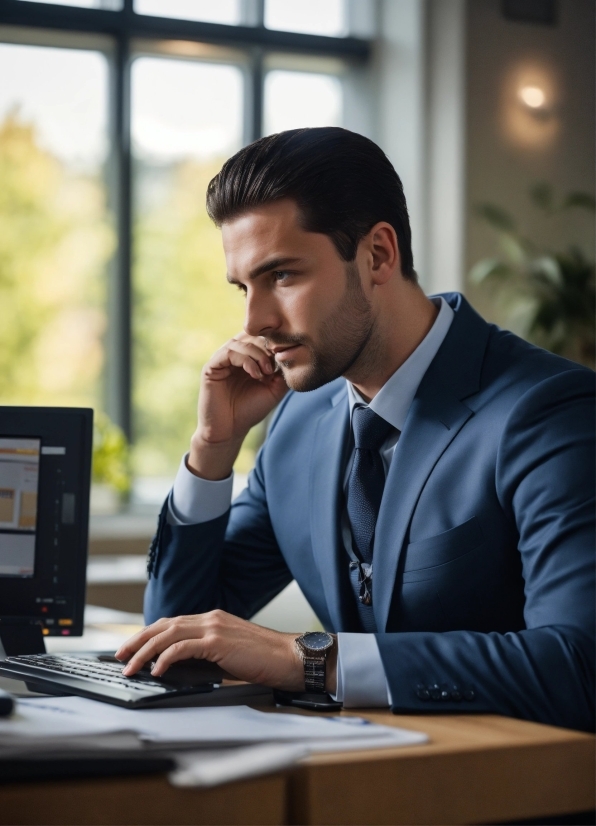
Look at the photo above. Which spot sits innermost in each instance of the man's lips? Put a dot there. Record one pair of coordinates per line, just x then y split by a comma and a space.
281, 350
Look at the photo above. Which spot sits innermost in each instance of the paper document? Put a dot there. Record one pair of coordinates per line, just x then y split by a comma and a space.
48, 718
210, 745
210, 768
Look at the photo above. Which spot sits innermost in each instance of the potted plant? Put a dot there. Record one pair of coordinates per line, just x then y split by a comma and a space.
111, 475
553, 292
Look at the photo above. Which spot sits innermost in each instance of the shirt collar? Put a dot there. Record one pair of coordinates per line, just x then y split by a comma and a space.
393, 400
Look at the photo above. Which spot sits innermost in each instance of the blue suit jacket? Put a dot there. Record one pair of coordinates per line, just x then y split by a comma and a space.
483, 588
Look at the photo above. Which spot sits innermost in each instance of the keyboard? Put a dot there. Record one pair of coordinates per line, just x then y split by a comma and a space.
99, 677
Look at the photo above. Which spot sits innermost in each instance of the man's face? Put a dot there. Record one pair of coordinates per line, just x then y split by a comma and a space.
304, 301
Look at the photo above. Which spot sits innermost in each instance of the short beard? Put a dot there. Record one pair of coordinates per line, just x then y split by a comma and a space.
342, 339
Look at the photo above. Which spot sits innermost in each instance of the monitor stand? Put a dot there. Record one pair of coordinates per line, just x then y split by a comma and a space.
22, 639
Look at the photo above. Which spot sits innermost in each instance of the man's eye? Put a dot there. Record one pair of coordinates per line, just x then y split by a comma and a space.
281, 275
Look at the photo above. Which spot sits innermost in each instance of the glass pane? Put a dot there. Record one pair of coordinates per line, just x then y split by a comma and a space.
186, 119
308, 16
56, 238
222, 11
108, 5
297, 99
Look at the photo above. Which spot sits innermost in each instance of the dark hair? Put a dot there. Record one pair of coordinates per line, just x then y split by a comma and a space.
342, 182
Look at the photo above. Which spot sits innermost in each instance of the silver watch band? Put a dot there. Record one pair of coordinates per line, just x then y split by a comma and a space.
315, 669
313, 647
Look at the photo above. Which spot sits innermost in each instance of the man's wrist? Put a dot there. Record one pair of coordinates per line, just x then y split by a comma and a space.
212, 461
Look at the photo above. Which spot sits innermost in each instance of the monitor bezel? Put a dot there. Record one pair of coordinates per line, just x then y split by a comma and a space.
48, 424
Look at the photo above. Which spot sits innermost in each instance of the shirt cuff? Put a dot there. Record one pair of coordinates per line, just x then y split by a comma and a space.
194, 500
361, 680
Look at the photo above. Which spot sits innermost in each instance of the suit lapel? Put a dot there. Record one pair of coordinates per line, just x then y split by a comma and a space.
327, 463
425, 437
436, 416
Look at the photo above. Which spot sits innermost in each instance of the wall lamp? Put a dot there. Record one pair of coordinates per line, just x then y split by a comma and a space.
534, 100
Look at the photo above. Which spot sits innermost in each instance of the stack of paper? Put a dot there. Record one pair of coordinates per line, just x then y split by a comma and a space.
234, 741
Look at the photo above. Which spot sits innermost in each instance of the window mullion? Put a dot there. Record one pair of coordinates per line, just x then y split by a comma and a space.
118, 344
253, 13
255, 102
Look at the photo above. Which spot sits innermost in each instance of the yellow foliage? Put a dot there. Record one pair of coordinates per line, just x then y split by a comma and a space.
111, 460
55, 242
184, 310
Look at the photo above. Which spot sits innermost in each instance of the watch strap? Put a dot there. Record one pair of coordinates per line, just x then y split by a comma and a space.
315, 672
314, 660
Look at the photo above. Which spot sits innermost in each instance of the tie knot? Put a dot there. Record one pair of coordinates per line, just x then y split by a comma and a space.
370, 430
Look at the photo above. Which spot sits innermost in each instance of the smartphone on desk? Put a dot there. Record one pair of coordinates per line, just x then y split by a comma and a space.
304, 699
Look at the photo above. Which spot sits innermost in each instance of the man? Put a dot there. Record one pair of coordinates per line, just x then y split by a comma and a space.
428, 480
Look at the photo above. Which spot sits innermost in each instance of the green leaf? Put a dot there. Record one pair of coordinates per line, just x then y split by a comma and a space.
547, 266
489, 267
496, 216
579, 199
111, 458
513, 248
541, 195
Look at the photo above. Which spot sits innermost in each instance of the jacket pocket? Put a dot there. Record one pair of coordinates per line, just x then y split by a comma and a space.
444, 547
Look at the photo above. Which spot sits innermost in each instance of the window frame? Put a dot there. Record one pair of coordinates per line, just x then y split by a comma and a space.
124, 28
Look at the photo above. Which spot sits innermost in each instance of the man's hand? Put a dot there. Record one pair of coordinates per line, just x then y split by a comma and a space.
243, 649
239, 387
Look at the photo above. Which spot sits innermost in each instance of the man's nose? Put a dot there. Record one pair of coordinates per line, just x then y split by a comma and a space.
261, 315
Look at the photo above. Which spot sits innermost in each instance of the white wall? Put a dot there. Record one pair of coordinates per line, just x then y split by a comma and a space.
507, 148
445, 144
417, 96
399, 98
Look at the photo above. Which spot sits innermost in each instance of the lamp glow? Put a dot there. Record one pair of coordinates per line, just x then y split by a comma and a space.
532, 96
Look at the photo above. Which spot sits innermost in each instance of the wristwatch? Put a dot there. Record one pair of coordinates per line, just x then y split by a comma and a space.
313, 648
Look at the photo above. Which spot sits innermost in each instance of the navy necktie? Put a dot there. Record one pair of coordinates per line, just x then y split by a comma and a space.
363, 499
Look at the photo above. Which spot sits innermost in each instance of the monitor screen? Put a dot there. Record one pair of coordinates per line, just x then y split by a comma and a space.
45, 472
19, 486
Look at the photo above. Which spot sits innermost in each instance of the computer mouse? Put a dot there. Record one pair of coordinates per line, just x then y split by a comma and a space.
6, 703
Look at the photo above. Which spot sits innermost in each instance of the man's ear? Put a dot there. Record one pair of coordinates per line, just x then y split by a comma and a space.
384, 251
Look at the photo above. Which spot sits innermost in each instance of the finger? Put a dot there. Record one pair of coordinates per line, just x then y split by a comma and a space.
257, 351
182, 650
133, 643
128, 648
258, 341
252, 368
254, 351
154, 647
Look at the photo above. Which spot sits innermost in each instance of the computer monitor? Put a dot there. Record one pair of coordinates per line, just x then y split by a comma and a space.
45, 473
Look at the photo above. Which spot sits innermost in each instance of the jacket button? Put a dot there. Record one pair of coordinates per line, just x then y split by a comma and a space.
444, 694
422, 693
456, 695
435, 692
469, 694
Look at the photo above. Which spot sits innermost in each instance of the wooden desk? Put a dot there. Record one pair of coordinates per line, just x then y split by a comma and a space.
477, 769
142, 800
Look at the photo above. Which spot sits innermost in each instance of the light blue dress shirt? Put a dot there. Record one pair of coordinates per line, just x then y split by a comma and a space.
361, 680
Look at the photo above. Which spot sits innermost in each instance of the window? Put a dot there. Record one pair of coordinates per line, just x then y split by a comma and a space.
109, 5
57, 237
309, 16
113, 117
187, 118
222, 11
296, 99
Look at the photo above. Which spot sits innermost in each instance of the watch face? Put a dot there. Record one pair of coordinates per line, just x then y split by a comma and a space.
317, 640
